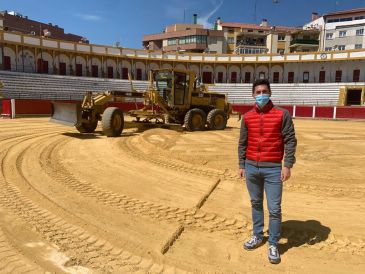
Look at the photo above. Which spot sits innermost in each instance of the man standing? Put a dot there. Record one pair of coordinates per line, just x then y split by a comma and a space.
267, 134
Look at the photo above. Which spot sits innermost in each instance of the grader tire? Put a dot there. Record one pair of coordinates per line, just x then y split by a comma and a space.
217, 119
87, 127
195, 120
112, 122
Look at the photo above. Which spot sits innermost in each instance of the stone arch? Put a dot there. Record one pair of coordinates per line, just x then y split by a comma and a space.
126, 67
79, 60
196, 69
207, 74
166, 66
220, 75
154, 66
9, 52
26, 56
234, 70
262, 71
45, 56
276, 69
95, 61
110, 63
180, 66
249, 77
63, 58
141, 67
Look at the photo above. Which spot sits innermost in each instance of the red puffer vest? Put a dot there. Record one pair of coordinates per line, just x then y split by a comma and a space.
265, 142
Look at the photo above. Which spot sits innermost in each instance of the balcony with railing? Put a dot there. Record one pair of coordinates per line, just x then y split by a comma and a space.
306, 42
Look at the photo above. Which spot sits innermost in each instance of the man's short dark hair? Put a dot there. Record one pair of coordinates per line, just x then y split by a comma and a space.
259, 82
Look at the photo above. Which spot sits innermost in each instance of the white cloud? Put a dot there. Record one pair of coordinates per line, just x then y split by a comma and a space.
89, 17
204, 19
175, 10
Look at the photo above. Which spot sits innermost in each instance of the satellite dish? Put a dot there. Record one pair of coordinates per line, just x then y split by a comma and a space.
47, 33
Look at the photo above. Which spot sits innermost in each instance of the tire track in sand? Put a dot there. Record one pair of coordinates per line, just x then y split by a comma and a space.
83, 248
127, 146
12, 261
54, 167
194, 218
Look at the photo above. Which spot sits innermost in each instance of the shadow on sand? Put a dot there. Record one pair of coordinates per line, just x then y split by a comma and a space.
299, 233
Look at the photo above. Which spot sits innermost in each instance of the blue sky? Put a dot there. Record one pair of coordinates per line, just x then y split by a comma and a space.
108, 21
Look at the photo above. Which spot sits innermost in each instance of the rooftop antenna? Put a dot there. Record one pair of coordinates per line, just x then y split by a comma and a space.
254, 12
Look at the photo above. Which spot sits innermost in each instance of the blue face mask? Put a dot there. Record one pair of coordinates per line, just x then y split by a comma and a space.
262, 100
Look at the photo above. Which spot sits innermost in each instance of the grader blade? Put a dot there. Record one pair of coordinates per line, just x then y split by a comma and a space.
66, 113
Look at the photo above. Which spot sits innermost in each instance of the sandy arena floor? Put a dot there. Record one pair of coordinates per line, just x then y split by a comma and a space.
166, 201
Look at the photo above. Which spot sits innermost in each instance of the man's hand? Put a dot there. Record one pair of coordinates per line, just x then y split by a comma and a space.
242, 173
285, 174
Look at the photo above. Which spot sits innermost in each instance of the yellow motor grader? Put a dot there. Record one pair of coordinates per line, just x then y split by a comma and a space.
172, 97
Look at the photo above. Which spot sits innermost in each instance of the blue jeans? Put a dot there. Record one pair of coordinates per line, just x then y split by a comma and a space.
259, 179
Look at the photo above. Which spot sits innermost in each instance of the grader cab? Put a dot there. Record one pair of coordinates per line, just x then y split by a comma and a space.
172, 97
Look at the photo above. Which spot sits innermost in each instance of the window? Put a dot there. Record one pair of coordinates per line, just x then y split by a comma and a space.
247, 77
111, 72
359, 17
358, 46
171, 41
138, 74
220, 77
341, 47
7, 63
281, 37
291, 77
230, 40
198, 39
305, 76
329, 36
275, 77
356, 75
78, 70
233, 77
342, 33
338, 76
252, 50
333, 20
180, 88
359, 32
328, 48
345, 19
322, 76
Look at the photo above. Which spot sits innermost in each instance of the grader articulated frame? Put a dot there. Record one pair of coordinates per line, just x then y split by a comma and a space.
172, 97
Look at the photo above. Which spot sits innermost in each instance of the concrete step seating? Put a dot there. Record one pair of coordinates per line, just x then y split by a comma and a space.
284, 94
55, 87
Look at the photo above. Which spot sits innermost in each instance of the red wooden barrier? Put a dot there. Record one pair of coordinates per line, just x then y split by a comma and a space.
324, 112
303, 111
43, 107
6, 108
350, 112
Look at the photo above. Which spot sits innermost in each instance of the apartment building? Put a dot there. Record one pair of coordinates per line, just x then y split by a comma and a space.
255, 39
342, 30
16, 22
185, 38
